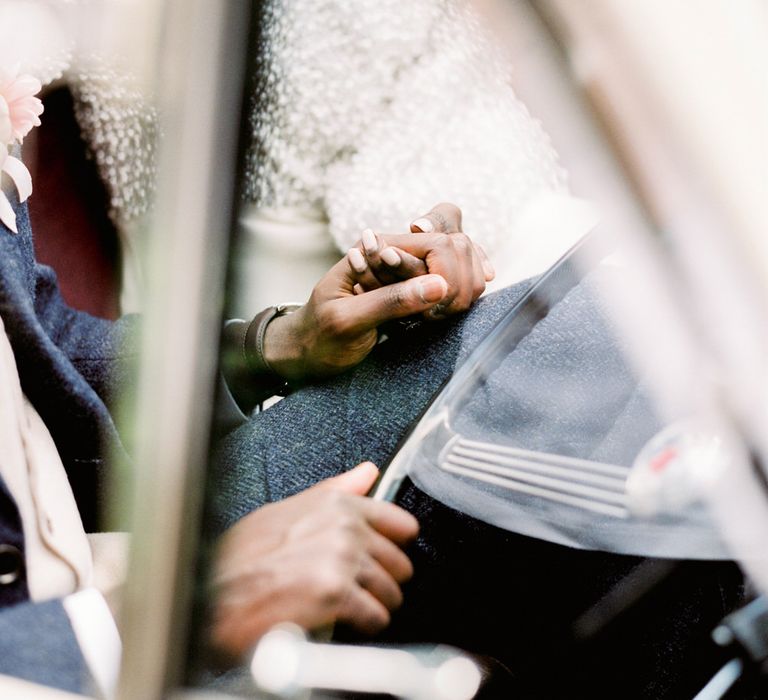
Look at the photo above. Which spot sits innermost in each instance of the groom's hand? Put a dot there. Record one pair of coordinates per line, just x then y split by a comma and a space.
437, 275
323, 556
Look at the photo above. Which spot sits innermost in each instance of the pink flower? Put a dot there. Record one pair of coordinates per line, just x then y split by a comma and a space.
20, 110
6, 126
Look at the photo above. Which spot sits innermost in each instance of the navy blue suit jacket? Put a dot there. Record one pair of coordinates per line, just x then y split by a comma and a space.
69, 363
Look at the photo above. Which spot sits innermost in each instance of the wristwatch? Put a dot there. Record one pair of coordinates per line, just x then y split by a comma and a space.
253, 338
249, 379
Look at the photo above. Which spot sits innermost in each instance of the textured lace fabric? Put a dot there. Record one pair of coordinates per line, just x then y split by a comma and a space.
120, 128
118, 124
375, 109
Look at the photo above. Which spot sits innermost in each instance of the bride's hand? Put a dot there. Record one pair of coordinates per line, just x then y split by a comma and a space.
380, 260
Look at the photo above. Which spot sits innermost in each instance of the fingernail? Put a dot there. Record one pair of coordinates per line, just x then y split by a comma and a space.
431, 288
370, 243
424, 225
390, 256
490, 273
357, 289
357, 260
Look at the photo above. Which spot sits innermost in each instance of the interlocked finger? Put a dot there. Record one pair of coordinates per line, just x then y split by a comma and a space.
375, 264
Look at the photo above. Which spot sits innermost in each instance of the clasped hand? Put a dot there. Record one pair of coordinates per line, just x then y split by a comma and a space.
436, 273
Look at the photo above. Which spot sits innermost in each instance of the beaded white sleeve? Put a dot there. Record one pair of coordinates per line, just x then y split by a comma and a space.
376, 109
120, 128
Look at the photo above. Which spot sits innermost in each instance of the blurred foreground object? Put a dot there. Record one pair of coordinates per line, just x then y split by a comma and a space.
286, 665
682, 92
744, 633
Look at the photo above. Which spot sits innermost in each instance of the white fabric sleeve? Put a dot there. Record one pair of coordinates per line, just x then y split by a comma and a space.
97, 635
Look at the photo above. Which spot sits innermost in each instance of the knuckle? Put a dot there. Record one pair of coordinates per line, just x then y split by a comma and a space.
344, 549
329, 502
346, 537
335, 499
450, 209
349, 528
397, 297
331, 587
443, 243
462, 243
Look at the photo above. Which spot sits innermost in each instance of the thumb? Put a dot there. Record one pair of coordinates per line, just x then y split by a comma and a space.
356, 481
443, 218
364, 312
